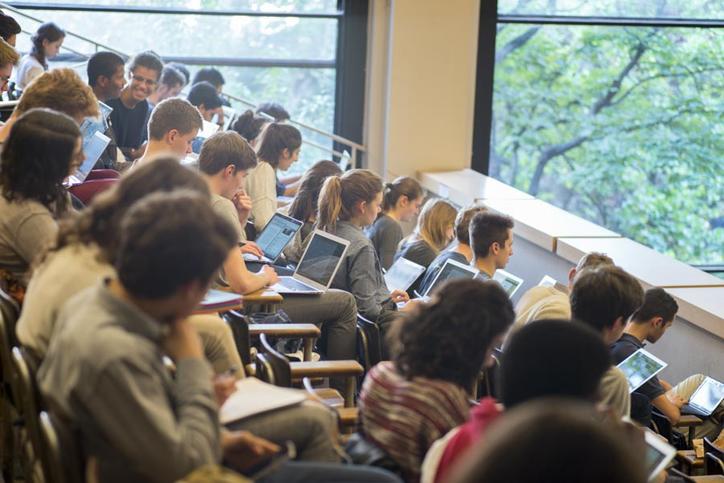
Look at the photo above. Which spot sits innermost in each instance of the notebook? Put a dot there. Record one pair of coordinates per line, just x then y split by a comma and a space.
253, 397
317, 267
402, 274
220, 300
275, 236
639, 367
451, 270
707, 397
508, 281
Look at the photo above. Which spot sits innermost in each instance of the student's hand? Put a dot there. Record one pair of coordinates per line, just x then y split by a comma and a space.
399, 296
242, 450
252, 248
242, 203
270, 274
675, 399
182, 342
410, 306
224, 386
137, 153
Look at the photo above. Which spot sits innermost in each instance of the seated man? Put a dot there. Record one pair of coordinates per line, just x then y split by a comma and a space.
170, 84
173, 125
106, 78
491, 239
131, 109
648, 324
603, 299
212, 76
204, 96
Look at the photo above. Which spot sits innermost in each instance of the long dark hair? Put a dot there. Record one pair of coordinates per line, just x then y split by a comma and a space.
402, 186
37, 157
100, 222
304, 205
277, 138
50, 32
248, 125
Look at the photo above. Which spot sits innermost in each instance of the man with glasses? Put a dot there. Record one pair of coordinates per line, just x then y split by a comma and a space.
131, 110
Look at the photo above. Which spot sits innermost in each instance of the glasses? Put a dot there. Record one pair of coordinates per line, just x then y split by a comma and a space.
143, 80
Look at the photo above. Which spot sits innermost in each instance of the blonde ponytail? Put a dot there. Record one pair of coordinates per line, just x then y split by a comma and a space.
339, 195
330, 203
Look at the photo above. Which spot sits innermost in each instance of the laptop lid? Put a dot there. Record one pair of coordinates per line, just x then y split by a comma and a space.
508, 281
658, 454
402, 274
277, 234
93, 147
639, 367
321, 260
208, 129
707, 396
449, 271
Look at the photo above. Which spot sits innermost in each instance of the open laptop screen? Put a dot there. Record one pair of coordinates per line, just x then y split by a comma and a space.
277, 234
639, 367
93, 147
449, 271
402, 274
708, 395
320, 261
508, 281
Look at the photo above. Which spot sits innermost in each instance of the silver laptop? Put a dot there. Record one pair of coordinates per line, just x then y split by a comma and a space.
317, 267
275, 236
508, 281
707, 397
93, 147
639, 367
451, 270
402, 274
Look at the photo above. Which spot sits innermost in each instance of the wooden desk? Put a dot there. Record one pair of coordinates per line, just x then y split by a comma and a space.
263, 300
542, 223
464, 187
702, 306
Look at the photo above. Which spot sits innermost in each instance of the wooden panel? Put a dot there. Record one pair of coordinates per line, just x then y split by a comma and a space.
466, 186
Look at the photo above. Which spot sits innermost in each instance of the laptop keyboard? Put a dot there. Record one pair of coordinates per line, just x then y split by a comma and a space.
294, 285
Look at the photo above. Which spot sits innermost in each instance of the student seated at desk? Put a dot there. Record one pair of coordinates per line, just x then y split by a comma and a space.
250, 127
459, 251
603, 299
278, 151
86, 250
347, 204
106, 77
43, 149
225, 160
214, 77
438, 350
648, 324
173, 126
204, 97
131, 109
170, 84
46, 44
491, 238
433, 233
401, 201
304, 205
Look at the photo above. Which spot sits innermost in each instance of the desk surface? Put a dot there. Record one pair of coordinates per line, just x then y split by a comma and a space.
467, 186
542, 223
652, 268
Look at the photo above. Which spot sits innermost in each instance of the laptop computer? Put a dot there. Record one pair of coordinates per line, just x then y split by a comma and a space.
208, 129
658, 454
508, 281
402, 274
451, 270
275, 236
317, 267
707, 397
93, 147
639, 367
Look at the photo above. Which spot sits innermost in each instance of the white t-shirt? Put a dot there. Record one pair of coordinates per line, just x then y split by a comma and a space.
28, 69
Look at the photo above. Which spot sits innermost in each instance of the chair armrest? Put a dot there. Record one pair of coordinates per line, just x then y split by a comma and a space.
284, 330
326, 369
688, 420
263, 296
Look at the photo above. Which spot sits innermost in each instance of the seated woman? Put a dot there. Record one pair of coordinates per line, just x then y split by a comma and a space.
46, 45
44, 147
304, 205
400, 202
438, 351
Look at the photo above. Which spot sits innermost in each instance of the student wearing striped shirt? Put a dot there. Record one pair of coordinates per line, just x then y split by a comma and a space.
437, 353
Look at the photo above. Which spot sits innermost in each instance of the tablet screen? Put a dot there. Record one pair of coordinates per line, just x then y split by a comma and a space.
639, 367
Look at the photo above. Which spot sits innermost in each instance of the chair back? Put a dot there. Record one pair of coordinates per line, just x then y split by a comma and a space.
9, 312
714, 465
85, 192
369, 343
27, 403
103, 174
8, 316
61, 458
271, 366
239, 325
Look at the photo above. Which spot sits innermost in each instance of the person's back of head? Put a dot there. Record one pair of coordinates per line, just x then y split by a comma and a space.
489, 233
274, 110
249, 125
172, 78
169, 241
204, 94
47, 32
61, 90
604, 298
435, 223
304, 205
552, 358
589, 260
553, 440
211, 75
103, 64
148, 60
462, 222
278, 140
225, 149
450, 337
9, 29
182, 69
100, 222
174, 115
340, 195
37, 156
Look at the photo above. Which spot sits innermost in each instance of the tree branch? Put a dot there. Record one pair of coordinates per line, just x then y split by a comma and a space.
515, 44
615, 86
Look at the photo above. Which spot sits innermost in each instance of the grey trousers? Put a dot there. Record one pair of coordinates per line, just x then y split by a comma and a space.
218, 342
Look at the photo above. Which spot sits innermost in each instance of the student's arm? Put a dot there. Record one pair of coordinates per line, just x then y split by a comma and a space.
129, 404
670, 406
361, 278
261, 187
243, 281
34, 234
388, 238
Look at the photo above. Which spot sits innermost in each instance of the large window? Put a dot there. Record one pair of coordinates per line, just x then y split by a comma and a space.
268, 50
613, 110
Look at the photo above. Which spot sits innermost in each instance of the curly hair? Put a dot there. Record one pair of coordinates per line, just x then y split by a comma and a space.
61, 90
449, 337
37, 157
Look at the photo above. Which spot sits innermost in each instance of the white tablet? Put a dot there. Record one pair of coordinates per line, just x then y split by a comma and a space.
639, 367
707, 397
508, 281
658, 454
402, 274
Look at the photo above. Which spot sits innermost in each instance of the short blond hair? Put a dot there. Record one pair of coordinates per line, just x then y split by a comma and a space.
8, 55
61, 90
436, 217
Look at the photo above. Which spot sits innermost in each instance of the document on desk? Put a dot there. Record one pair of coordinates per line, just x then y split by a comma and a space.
253, 397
